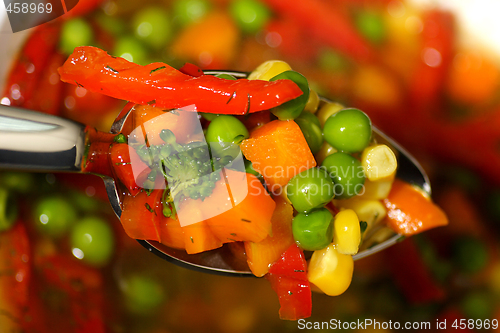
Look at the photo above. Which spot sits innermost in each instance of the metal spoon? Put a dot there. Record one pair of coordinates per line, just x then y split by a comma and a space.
37, 142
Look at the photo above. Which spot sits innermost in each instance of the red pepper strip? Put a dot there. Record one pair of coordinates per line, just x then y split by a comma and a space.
411, 274
49, 91
163, 86
24, 78
328, 24
437, 46
124, 162
15, 273
288, 279
82, 308
141, 215
96, 160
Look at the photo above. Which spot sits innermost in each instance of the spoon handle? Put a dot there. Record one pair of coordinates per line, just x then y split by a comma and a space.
33, 141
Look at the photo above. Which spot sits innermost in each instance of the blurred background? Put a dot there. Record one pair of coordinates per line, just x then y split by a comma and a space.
427, 75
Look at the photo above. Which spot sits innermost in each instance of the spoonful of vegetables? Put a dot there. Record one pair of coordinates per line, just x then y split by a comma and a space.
232, 173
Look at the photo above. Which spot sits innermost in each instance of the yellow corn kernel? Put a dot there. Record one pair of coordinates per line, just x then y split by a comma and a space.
327, 110
379, 162
313, 102
370, 211
330, 270
347, 232
269, 69
324, 151
377, 190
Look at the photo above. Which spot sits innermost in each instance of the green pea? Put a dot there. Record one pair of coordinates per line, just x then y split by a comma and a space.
152, 26
310, 189
75, 32
293, 108
54, 215
311, 128
143, 293
371, 25
92, 240
131, 49
189, 11
8, 209
348, 130
470, 254
224, 134
313, 231
347, 174
250, 15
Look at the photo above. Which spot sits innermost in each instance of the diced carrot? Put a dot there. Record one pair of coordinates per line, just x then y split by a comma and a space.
199, 238
129, 168
211, 42
171, 233
248, 218
185, 125
410, 212
191, 211
279, 151
141, 215
261, 255
239, 209
197, 235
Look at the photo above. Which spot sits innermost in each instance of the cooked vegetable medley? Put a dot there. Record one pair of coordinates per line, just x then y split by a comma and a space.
186, 180
66, 264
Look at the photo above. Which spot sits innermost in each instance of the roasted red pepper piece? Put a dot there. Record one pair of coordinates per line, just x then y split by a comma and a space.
82, 309
124, 162
15, 265
96, 159
328, 24
49, 90
288, 277
163, 86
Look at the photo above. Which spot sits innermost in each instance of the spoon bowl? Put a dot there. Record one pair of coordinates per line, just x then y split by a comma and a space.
37, 142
